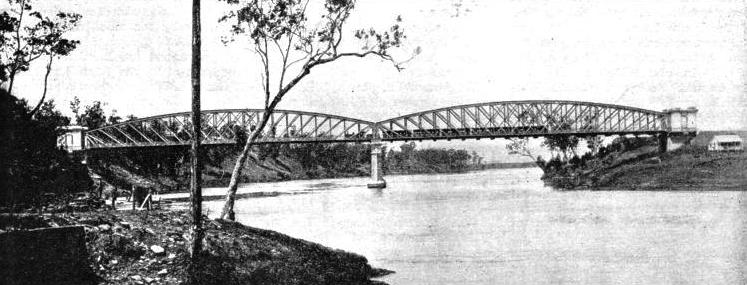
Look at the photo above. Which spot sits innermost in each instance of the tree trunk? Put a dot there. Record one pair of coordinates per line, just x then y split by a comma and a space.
44, 94
228, 212
196, 177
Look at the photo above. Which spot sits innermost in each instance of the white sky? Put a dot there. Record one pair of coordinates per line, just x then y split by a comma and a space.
135, 54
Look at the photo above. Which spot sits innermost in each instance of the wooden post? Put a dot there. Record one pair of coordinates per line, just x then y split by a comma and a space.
114, 198
149, 200
132, 197
196, 177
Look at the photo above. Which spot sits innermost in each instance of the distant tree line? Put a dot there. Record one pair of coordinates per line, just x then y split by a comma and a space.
411, 160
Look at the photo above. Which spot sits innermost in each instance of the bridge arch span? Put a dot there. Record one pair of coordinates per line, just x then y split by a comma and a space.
222, 126
529, 118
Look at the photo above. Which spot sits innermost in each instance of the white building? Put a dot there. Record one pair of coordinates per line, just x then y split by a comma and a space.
72, 138
725, 143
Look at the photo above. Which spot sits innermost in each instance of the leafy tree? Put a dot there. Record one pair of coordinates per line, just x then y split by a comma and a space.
520, 146
75, 108
93, 116
565, 144
594, 143
286, 40
30, 161
27, 35
113, 118
49, 115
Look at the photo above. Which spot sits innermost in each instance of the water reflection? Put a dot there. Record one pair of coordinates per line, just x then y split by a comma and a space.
504, 226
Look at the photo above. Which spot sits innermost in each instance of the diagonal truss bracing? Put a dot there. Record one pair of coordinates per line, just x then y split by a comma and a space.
522, 119
222, 127
485, 120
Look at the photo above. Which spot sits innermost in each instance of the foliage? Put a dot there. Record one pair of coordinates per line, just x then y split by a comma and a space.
563, 166
594, 143
520, 146
30, 161
564, 144
27, 35
412, 160
94, 116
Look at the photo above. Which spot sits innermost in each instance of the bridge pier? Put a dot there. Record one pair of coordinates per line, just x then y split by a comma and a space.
377, 175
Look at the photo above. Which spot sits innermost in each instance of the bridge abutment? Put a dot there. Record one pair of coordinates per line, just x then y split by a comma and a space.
674, 141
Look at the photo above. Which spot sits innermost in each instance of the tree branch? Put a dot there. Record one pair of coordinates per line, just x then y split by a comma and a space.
44, 93
18, 47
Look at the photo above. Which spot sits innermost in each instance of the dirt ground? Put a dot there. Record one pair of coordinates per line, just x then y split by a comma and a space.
141, 247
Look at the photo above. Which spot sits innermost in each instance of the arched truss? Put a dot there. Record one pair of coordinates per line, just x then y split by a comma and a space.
484, 120
220, 127
521, 119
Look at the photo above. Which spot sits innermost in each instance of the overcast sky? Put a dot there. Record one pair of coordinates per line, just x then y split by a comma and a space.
134, 55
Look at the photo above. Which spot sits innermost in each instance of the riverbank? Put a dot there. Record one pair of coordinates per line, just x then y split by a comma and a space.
138, 247
644, 168
123, 173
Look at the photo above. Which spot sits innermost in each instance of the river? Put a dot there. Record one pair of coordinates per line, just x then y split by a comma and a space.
505, 227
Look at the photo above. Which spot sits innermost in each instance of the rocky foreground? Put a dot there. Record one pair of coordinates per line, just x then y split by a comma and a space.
128, 247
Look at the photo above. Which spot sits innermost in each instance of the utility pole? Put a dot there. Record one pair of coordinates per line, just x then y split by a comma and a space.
196, 178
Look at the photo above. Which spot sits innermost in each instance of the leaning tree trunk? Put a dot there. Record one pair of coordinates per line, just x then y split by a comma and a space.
239, 166
228, 212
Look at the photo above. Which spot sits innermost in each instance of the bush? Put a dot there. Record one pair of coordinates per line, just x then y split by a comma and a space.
31, 164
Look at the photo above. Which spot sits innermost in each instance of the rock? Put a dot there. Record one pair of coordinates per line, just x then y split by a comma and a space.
114, 261
172, 256
148, 280
163, 271
157, 249
136, 277
652, 160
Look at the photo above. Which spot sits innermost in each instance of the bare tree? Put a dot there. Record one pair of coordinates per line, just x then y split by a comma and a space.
289, 47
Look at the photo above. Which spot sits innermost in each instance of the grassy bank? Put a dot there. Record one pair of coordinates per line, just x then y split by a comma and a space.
151, 248
644, 168
684, 169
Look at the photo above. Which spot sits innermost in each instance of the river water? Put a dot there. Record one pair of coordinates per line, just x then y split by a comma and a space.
505, 227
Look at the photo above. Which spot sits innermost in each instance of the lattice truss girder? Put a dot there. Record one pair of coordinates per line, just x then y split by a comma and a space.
521, 119
222, 126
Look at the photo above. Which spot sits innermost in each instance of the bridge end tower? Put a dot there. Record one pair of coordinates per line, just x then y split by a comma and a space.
72, 138
679, 128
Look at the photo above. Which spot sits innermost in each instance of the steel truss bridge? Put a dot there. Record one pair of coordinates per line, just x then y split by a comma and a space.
485, 120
